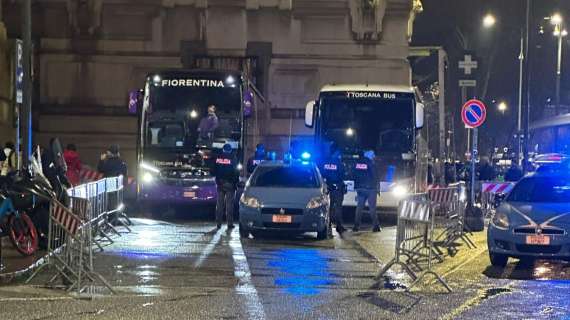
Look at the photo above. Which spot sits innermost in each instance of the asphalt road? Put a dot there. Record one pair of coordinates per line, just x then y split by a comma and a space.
186, 269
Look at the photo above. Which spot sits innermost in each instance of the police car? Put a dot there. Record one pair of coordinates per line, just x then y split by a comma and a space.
534, 219
285, 196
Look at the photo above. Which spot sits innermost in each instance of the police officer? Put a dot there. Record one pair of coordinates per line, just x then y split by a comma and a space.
332, 170
257, 158
366, 185
227, 178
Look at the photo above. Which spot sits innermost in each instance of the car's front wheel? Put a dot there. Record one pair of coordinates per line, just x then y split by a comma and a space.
498, 260
324, 234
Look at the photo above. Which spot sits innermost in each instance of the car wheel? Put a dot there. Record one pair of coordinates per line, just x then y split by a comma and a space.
324, 234
243, 231
498, 260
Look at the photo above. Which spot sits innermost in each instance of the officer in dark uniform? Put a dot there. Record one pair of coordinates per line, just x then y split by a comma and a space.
366, 184
332, 170
257, 158
227, 178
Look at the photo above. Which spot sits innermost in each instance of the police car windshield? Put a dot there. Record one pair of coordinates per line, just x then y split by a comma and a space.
383, 125
542, 189
286, 177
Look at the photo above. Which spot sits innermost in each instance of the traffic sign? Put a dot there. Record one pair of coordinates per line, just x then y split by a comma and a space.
468, 64
467, 83
473, 113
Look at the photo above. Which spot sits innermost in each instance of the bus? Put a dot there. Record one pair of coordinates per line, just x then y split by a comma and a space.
550, 135
174, 151
383, 118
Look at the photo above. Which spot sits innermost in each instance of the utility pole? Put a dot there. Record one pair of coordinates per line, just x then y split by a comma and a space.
441, 79
27, 87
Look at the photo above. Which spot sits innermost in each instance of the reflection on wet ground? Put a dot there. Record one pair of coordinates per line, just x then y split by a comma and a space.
527, 269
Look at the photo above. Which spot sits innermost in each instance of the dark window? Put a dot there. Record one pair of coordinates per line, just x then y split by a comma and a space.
542, 189
386, 126
286, 177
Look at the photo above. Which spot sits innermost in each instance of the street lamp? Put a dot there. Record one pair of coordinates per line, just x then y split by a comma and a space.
488, 21
559, 32
502, 106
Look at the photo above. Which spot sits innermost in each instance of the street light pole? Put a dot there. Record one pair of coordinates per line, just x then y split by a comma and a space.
27, 81
520, 102
558, 69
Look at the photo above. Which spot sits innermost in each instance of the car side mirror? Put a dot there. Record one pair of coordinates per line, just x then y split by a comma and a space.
419, 115
135, 101
310, 114
499, 198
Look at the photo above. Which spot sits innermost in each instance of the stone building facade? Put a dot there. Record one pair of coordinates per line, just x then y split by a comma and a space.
90, 53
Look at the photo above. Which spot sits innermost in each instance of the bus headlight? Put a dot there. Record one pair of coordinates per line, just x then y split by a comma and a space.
147, 177
149, 172
400, 191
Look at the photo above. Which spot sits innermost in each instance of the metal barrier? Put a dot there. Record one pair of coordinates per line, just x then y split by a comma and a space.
489, 189
75, 233
415, 242
449, 205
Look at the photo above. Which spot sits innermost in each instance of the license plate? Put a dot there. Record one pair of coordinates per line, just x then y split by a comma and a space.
282, 219
538, 239
189, 194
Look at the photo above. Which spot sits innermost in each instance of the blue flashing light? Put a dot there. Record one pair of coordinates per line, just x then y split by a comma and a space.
305, 155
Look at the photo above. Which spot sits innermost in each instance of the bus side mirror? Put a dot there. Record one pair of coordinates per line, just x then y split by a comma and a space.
419, 115
310, 114
135, 101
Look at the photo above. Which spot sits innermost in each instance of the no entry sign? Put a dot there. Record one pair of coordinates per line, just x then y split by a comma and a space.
473, 113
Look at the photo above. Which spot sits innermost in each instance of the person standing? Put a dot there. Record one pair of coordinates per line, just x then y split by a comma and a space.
208, 125
257, 158
73, 164
332, 170
227, 177
366, 185
111, 164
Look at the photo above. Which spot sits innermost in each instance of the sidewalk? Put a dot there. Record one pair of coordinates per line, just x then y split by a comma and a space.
14, 264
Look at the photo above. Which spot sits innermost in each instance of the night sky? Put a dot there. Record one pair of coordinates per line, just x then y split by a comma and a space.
497, 50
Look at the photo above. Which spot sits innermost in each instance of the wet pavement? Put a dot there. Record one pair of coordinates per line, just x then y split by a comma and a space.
190, 270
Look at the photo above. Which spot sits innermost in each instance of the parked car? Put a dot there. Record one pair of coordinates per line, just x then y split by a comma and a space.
286, 197
533, 221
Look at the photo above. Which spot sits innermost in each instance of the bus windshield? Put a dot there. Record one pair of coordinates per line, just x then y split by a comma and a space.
385, 126
180, 116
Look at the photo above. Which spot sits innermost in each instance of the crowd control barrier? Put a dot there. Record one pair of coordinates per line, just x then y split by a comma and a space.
449, 206
415, 241
77, 231
489, 189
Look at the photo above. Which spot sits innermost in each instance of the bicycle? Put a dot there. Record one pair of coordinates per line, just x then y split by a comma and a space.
18, 227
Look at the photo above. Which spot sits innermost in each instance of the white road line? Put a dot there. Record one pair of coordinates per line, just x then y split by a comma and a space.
245, 287
208, 249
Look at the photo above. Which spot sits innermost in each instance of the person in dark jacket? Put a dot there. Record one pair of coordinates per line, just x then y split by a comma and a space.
366, 184
486, 171
332, 170
257, 158
73, 164
208, 124
514, 173
111, 164
227, 177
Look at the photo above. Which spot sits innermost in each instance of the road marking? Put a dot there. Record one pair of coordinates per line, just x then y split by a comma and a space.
245, 287
208, 249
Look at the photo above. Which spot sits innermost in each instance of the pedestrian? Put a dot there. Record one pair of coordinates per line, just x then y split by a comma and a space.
257, 158
486, 171
73, 163
227, 177
332, 170
366, 184
208, 125
9, 164
111, 164
514, 173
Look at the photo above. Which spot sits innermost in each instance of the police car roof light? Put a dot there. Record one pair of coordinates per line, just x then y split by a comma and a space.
305, 155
